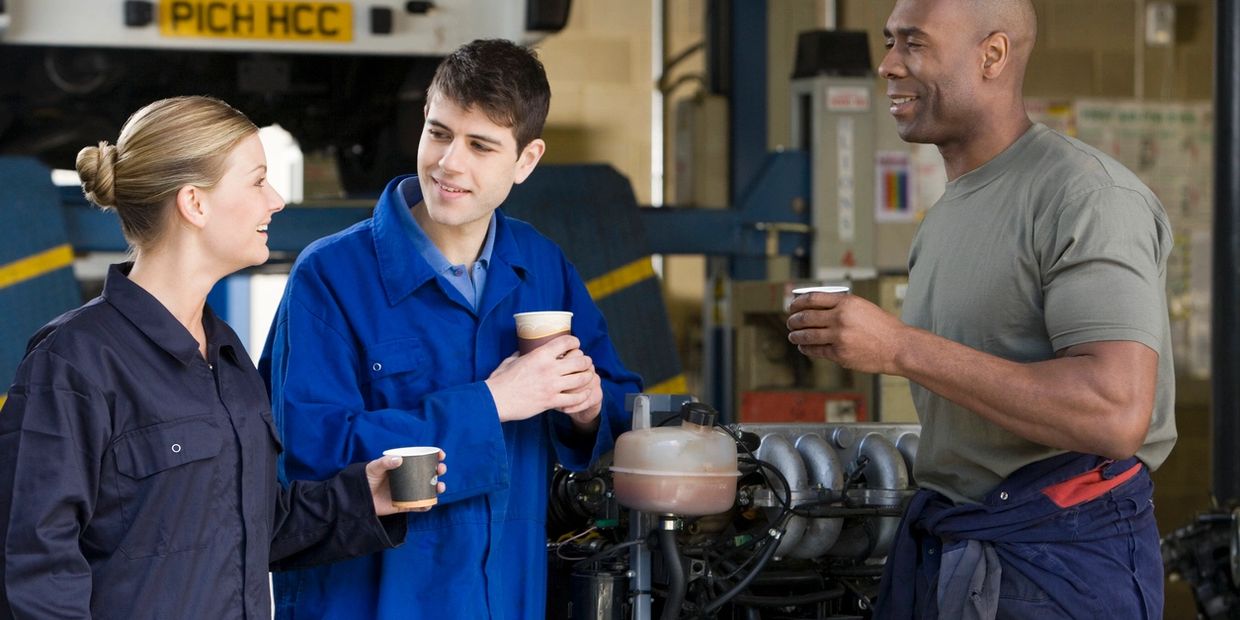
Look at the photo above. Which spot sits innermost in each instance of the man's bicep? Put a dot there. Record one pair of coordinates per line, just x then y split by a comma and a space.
1123, 371
1104, 277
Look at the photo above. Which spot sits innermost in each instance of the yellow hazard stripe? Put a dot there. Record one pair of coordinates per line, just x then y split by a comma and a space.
35, 265
620, 278
675, 385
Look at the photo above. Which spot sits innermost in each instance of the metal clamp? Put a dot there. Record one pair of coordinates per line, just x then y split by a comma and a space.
766, 498
670, 523
772, 230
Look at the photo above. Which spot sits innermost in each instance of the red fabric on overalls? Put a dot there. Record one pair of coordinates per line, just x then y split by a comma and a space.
1087, 486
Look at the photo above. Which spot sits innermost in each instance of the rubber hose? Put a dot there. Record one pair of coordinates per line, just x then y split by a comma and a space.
676, 575
788, 601
767, 552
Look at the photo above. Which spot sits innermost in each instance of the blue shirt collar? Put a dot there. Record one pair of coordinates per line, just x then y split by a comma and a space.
409, 193
399, 268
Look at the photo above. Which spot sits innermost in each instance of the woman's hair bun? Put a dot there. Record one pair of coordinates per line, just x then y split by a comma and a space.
96, 166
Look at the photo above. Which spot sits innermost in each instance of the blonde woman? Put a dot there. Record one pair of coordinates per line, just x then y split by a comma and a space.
137, 449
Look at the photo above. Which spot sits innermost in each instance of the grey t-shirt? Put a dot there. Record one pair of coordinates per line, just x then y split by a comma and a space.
1048, 245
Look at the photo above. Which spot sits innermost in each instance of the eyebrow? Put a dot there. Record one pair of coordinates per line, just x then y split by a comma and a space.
476, 136
905, 31
262, 167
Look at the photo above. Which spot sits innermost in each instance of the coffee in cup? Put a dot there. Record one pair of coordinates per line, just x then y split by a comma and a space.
415, 484
535, 329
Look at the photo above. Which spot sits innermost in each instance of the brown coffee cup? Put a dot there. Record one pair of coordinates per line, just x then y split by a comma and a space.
415, 484
534, 329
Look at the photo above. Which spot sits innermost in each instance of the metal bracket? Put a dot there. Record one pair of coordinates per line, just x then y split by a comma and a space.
766, 498
772, 230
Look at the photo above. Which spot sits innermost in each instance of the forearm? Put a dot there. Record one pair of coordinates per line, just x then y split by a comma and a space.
329, 521
1075, 402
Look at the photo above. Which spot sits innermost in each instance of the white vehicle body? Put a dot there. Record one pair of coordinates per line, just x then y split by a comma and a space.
312, 26
344, 77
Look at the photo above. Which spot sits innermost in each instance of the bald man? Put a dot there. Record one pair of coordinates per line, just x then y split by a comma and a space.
1035, 334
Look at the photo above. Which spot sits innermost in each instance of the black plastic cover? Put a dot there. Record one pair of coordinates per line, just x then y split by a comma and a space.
842, 53
698, 413
380, 20
138, 13
547, 15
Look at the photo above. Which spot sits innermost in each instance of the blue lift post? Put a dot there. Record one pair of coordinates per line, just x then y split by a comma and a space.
769, 191
36, 259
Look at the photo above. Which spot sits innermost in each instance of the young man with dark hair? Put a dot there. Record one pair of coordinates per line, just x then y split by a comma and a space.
399, 331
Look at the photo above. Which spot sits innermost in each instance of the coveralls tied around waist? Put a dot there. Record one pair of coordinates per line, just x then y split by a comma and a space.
1072, 536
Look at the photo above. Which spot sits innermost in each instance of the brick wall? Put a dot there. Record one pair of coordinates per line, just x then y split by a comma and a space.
1090, 48
599, 70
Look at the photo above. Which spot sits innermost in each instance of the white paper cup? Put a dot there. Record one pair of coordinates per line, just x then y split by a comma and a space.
535, 329
415, 483
805, 290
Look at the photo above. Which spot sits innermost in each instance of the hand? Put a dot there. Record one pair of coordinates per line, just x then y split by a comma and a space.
847, 330
556, 375
585, 415
377, 475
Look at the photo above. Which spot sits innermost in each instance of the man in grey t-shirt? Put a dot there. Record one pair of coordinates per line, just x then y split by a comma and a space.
1035, 333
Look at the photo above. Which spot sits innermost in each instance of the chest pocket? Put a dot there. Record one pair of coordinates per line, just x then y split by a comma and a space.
395, 371
169, 478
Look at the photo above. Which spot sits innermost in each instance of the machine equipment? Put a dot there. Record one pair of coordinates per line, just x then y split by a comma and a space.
1205, 554
693, 519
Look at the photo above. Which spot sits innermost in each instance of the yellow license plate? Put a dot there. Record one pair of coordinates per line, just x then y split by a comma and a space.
257, 19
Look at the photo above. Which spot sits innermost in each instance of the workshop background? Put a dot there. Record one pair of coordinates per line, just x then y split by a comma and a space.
691, 178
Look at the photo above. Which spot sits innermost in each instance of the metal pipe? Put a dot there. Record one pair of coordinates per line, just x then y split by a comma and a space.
778, 451
640, 524
884, 470
639, 564
1226, 290
825, 471
907, 445
661, 18
830, 15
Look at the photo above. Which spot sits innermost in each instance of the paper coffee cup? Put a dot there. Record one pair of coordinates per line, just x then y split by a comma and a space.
415, 484
805, 290
535, 329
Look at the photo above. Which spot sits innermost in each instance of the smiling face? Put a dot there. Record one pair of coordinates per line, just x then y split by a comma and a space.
467, 165
241, 205
932, 67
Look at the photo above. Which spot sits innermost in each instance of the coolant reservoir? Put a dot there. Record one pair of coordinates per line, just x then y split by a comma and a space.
688, 470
